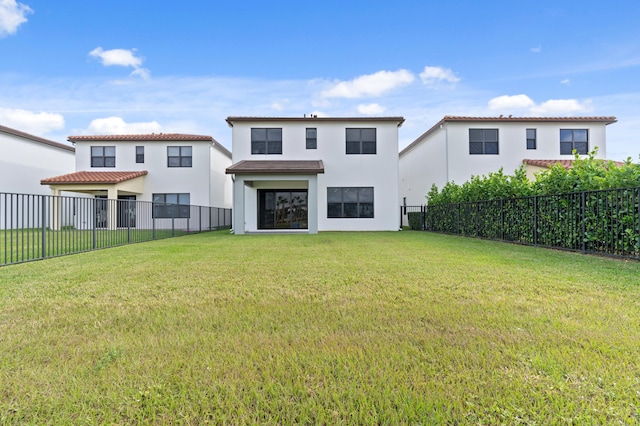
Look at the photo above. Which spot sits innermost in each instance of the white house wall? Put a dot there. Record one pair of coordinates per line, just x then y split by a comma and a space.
512, 146
23, 163
443, 155
221, 183
379, 171
162, 179
425, 162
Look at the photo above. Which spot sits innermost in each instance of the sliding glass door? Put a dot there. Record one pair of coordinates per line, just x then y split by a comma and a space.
282, 209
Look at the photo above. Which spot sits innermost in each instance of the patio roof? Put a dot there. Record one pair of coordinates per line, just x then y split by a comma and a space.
276, 167
92, 177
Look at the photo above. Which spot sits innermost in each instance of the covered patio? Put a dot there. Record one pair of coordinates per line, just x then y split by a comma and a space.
104, 185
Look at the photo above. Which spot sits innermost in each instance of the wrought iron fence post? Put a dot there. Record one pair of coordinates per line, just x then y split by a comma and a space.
153, 222
173, 221
638, 230
535, 220
94, 222
501, 219
584, 217
44, 226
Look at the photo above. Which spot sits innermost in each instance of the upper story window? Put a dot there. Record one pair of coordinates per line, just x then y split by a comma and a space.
266, 141
103, 156
361, 141
312, 138
179, 156
139, 154
483, 141
531, 139
571, 139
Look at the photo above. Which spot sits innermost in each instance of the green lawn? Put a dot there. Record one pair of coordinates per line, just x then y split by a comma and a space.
22, 245
335, 328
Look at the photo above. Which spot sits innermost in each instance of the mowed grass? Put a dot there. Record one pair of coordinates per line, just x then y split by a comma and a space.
335, 328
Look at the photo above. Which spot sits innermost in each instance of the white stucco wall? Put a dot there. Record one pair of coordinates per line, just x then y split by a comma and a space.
221, 183
379, 171
443, 155
422, 165
24, 162
194, 180
512, 146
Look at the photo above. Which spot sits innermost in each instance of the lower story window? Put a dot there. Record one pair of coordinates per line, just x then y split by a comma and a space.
350, 202
167, 206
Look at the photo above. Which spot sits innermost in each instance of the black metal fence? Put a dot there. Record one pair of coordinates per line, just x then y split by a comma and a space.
34, 227
596, 222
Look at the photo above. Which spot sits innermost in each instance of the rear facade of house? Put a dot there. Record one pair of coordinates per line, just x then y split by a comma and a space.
173, 171
314, 174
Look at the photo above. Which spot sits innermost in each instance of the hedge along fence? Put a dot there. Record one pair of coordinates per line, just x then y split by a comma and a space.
605, 222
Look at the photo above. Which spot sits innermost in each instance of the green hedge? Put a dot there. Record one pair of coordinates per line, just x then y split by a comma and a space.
593, 207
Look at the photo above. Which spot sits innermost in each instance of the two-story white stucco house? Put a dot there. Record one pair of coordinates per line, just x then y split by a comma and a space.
457, 148
26, 159
315, 174
165, 168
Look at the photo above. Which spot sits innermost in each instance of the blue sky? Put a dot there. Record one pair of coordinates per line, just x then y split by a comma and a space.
101, 67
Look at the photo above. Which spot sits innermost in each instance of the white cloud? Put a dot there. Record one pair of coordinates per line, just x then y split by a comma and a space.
433, 76
30, 122
12, 14
507, 104
369, 85
566, 82
370, 109
117, 126
142, 73
122, 58
537, 49
561, 107
511, 102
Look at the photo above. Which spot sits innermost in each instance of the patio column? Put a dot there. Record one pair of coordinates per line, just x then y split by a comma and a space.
54, 209
112, 208
238, 205
312, 205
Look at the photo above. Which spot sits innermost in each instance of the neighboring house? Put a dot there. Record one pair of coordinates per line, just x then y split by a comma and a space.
164, 168
26, 159
457, 148
315, 174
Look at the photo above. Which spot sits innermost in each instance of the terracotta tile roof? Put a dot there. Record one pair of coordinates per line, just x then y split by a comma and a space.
276, 167
92, 177
24, 135
178, 137
312, 119
567, 164
596, 119
509, 119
